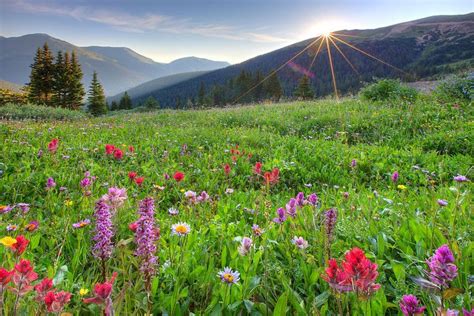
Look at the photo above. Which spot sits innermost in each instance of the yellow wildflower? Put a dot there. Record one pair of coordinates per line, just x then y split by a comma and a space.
83, 292
8, 241
68, 203
401, 187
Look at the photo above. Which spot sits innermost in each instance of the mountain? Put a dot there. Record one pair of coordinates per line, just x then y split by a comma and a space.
142, 91
10, 86
119, 68
423, 48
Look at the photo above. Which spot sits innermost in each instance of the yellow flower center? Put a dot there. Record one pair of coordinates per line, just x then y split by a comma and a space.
181, 229
228, 277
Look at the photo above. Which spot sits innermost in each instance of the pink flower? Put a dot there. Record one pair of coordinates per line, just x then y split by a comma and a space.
53, 145
103, 293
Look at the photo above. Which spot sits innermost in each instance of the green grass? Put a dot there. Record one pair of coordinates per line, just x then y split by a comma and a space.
312, 143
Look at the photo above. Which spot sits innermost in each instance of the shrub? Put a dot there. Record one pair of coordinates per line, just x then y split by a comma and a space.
12, 111
388, 90
456, 89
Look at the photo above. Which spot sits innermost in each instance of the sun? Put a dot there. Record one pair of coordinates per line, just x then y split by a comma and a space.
326, 33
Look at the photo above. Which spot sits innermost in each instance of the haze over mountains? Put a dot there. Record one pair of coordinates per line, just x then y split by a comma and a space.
119, 68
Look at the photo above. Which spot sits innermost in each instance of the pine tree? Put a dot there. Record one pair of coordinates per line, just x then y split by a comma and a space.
151, 103
273, 88
258, 91
34, 91
75, 89
47, 74
60, 81
125, 102
114, 106
96, 100
201, 94
304, 90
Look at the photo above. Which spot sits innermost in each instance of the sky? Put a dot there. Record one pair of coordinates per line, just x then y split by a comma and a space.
227, 30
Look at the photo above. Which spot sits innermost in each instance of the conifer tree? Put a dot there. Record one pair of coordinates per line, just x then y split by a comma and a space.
125, 102
114, 106
258, 91
304, 90
151, 103
47, 74
75, 89
96, 100
60, 81
273, 88
34, 91
201, 94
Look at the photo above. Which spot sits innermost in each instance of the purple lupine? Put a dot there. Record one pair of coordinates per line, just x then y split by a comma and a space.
245, 246
409, 305
115, 198
312, 199
300, 199
281, 213
50, 183
146, 236
460, 178
291, 207
442, 267
395, 176
104, 231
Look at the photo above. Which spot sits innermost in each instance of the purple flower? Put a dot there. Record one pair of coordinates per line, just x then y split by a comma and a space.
442, 202
312, 199
104, 231
82, 223
345, 195
40, 153
24, 207
62, 189
5, 209
228, 276
50, 183
300, 199
466, 312
257, 231
395, 176
166, 176
203, 197
191, 196
409, 305
281, 213
245, 246
353, 163
173, 211
12, 227
300, 242
460, 178
291, 207
330, 217
115, 198
442, 267
145, 237
85, 182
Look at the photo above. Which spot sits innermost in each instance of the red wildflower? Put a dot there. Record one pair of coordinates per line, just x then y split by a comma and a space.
118, 154
131, 149
20, 246
227, 169
109, 149
273, 176
5, 277
336, 277
133, 226
234, 158
22, 277
42, 288
53, 145
258, 168
55, 301
178, 176
361, 272
102, 296
139, 180
132, 175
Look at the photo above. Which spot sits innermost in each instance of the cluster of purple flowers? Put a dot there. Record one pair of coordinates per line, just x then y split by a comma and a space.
146, 236
442, 267
194, 198
292, 206
330, 217
115, 198
103, 231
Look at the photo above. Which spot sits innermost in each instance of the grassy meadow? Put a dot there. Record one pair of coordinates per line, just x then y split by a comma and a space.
345, 152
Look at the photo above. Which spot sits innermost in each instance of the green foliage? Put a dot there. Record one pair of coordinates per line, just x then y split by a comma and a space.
456, 89
96, 100
151, 103
389, 90
15, 111
303, 90
125, 102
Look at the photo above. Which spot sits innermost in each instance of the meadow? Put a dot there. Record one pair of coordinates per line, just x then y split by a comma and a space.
383, 187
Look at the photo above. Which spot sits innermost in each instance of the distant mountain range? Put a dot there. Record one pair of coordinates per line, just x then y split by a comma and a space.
119, 68
421, 48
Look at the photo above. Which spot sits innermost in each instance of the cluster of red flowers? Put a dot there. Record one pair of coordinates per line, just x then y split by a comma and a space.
178, 176
54, 301
356, 273
53, 145
116, 152
236, 153
133, 176
103, 295
271, 177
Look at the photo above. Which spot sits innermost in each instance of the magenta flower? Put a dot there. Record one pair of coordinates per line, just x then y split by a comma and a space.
312, 199
82, 223
442, 202
330, 217
203, 197
86, 182
24, 207
460, 178
300, 242
353, 163
115, 198
442, 267
409, 306
291, 207
281, 213
146, 237
466, 312
300, 199
245, 246
104, 232
395, 176
50, 183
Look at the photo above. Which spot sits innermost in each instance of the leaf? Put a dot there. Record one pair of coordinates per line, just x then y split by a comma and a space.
398, 270
280, 307
248, 305
34, 241
451, 292
60, 275
321, 299
184, 292
154, 285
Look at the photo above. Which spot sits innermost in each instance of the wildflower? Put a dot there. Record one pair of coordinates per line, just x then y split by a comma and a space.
145, 238
5, 278
55, 302
401, 187
8, 241
229, 191
395, 176
12, 227
257, 231
68, 203
86, 182
312, 199
178, 176
20, 245
300, 199
330, 217
24, 207
442, 267
442, 202
272, 177
180, 229
42, 288
336, 277
460, 178
228, 276
245, 246
167, 176
203, 197
32, 226
109, 149
83, 291
131, 149
409, 306
103, 231
62, 189
82, 224
115, 197
50, 183
139, 180
40, 153
132, 175
227, 169
291, 207
23, 276
5, 209
173, 211
102, 295
345, 195
466, 312
190, 195
300, 242
281, 213
133, 226
53, 145
353, 163
257, 169
118, 154
361, 272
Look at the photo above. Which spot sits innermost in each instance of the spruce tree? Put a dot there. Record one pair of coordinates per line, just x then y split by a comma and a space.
201, 94
114, 106
273, 88
60, 81
47, 71
75, 89
96, 100
34, 86
125, 102
151, 103
258, 91
304, 90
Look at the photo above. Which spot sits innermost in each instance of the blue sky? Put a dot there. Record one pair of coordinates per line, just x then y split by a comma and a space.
233, 31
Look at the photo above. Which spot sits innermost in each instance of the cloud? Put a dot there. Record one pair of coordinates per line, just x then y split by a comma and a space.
143, 23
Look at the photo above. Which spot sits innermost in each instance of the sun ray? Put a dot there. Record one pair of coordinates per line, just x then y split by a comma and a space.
278, 69
315, 56
332, 69
344, 56
370, 55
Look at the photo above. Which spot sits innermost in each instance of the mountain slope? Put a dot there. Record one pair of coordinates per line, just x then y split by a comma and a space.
421, 48
119, 68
